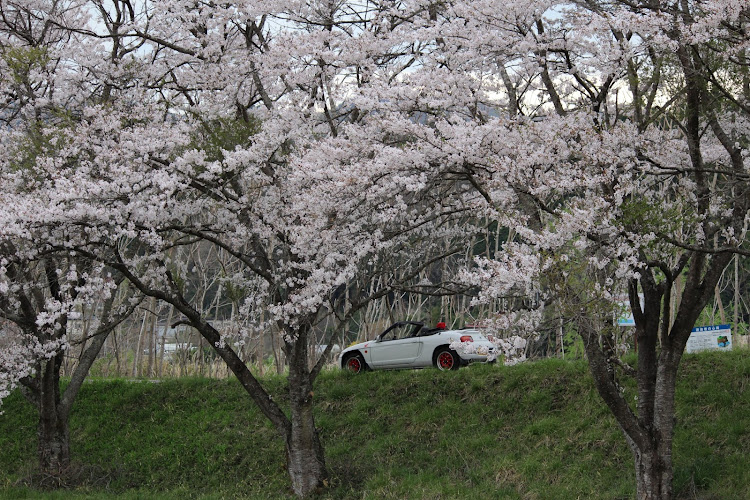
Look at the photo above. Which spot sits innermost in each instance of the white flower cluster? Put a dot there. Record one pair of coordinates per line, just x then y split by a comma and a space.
18, 360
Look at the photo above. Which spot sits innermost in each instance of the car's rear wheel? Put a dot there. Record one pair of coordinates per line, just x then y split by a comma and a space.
355, 363
446, 359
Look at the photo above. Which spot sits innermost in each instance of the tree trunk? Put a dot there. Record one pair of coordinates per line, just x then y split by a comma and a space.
53, 443
305, 457
653, 473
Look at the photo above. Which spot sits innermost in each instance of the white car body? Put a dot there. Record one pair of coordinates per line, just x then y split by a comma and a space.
408, 344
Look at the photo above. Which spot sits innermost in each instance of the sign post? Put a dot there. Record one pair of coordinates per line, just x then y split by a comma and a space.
710, 338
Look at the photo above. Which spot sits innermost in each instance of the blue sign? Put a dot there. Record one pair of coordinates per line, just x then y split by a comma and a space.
710, 338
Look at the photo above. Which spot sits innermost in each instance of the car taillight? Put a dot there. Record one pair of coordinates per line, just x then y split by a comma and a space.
466, 338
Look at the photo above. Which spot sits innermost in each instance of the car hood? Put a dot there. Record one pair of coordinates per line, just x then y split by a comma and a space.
360, 345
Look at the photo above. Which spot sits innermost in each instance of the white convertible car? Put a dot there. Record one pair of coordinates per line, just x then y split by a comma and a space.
408, 344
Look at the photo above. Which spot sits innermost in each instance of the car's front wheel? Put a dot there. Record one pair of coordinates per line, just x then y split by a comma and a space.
355, 363
446, 359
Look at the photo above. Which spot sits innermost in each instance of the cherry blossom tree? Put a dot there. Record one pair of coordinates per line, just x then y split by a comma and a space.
166, 125
44, 296
611, 137
44, 287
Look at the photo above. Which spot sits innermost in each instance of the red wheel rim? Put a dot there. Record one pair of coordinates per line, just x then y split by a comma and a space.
445, 361
354, 365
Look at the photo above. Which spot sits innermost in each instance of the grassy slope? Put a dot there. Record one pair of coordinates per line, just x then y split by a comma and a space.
532, 431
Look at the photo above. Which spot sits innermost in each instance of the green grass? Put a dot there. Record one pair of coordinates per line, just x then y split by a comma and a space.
537, 430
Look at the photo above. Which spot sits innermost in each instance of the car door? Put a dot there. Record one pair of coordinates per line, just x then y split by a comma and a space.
395, 348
